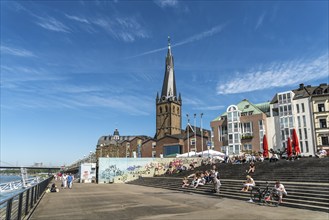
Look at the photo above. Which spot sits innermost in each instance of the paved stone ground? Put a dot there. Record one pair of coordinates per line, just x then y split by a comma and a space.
123, 201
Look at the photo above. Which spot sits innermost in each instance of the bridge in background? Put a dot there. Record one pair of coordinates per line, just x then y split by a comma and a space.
72, 168
31, 167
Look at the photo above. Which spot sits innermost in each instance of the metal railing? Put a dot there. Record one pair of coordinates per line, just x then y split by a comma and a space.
19, 184
21, 204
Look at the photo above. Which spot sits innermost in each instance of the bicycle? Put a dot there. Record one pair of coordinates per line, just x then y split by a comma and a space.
264, 197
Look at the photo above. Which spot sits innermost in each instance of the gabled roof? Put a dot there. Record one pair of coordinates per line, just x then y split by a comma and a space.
307, 91
246, 106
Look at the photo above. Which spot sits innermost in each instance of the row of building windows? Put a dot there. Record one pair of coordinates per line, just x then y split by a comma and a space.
299, 122
286, 122
284, 98
244, 129
301, 136
173, 109
322, 123
321, 107
302, 106
285, 110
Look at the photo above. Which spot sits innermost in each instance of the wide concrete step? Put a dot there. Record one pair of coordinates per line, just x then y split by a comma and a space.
231, 189
235, 195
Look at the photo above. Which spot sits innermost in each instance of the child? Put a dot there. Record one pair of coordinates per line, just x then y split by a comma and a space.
185, 182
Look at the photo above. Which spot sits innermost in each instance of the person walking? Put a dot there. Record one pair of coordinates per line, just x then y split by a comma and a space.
64, 181
215, 180
69, 181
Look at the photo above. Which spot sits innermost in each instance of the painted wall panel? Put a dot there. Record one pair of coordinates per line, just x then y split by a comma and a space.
121, 170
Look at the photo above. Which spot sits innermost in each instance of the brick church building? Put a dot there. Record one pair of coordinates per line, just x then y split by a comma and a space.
169, 139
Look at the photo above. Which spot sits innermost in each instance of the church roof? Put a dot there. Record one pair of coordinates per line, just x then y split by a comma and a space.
169, 83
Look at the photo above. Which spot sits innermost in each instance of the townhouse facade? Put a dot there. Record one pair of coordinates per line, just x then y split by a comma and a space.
305, 109
241, 128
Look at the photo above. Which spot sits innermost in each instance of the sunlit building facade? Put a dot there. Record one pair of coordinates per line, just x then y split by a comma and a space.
241, 128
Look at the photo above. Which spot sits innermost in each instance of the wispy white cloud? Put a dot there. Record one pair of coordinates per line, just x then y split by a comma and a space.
76, 18
53, 25
166, 3
127, 29
137, 104
210, 108
17, 77
260, 20
198, 104
197, 37
16, 51
277, 75
37, 88
200, 36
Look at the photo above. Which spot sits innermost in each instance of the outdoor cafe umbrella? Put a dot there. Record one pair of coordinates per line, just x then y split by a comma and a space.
265, 146
289, 148
295, 142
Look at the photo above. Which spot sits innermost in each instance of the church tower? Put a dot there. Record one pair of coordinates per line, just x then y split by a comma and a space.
168, 105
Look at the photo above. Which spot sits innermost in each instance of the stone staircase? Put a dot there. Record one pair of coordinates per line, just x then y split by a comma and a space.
306, 181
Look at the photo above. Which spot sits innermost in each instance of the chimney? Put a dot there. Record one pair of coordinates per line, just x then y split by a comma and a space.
301, 86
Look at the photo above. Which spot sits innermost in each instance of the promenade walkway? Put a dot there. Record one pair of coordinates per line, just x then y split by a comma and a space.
124, 201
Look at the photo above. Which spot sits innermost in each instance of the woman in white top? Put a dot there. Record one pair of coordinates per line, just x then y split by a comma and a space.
249, 183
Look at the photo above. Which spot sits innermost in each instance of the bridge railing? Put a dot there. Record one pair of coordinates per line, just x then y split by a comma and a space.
21, 204
91, 158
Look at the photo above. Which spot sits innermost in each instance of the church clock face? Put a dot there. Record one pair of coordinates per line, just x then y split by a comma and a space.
168, 67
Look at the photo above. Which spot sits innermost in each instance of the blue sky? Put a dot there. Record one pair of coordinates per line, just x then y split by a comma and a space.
72, 71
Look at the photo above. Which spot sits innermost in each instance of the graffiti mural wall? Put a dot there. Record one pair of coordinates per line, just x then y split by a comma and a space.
121, 170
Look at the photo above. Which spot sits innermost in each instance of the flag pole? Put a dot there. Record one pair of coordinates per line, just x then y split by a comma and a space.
195, 149
188, 136
201, 135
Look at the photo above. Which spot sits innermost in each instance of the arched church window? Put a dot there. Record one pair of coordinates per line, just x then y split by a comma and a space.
173, 109
160, 109
166, 108
178, 110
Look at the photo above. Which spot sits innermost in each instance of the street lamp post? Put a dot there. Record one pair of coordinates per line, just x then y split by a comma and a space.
195, 149
201, 135
188, 136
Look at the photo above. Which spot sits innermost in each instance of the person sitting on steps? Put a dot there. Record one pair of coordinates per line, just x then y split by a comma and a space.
251, 167
185, 182
248, 184
279, 190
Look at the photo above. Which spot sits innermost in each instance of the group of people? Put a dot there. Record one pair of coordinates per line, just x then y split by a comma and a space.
67, 181
244, 158
278, 189
202, 178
